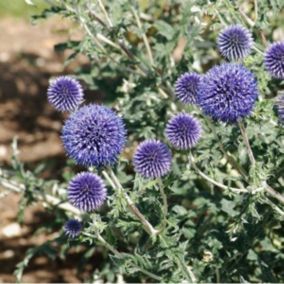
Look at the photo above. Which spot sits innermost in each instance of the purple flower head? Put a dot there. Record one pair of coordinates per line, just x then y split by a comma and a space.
152, 159
274, 60
186, 87
65, 93
183, 131
72, 228
228, 92
235, 42
87, 191
94, 136
280, 108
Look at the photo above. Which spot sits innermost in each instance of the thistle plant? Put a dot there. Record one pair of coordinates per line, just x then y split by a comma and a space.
183, 170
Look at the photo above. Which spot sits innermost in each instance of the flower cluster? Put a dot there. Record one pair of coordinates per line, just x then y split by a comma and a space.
235, 42
72, 228
152, 159
94, 136
183, 131
186, 87
274, 60
87, 191
65, 93
228, 92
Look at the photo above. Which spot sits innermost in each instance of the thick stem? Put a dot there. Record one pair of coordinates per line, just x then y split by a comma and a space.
145, 39
110, 24
228, 156
247, 144
165, 204
114, 182
18, 188
220, 185
274, 193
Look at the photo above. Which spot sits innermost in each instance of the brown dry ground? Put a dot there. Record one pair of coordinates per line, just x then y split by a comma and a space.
27, 61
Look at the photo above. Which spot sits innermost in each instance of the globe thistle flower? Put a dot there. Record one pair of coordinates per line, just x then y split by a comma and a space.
228, 92
186, 87
280, 108
152, 159
72, 228
274, 60
235, 42
65, 93
183, 131
94, 136
87, 191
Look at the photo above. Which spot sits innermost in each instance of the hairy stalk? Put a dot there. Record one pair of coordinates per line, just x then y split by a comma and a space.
165, 204
228, 156
272, 192
220, 185
118, 254
114, 182
105, 13
145, 39
104, 243
187, 272
247, 144
49, 199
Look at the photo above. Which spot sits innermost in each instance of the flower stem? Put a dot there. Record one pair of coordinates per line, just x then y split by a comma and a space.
145, 39
118, 254
165, 204
247, 144
114, 182
220, 185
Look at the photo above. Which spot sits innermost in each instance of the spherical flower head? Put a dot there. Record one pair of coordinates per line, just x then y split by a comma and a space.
87, 191
94, 136
228, 92
72, 228
65, 93
186, 87
152, 159
274, 60
235, 42
280, 108
183, 131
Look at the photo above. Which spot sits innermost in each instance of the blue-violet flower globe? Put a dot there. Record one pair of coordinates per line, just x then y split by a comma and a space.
94, 136
186, 87
152, 159
274, 60
65, 93
228, 92
72, 228
183, 131
87, 191
235, 42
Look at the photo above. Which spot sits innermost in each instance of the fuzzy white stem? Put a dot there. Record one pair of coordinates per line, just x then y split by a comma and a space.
114, 182
222, 186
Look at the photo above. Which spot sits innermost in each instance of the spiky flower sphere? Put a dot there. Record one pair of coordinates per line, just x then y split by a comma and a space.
183, 131
227, 92
72, 228
235, 42
274, 60
94, 136
152, 159
87, 191
65, 93
280, 108
186, 87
